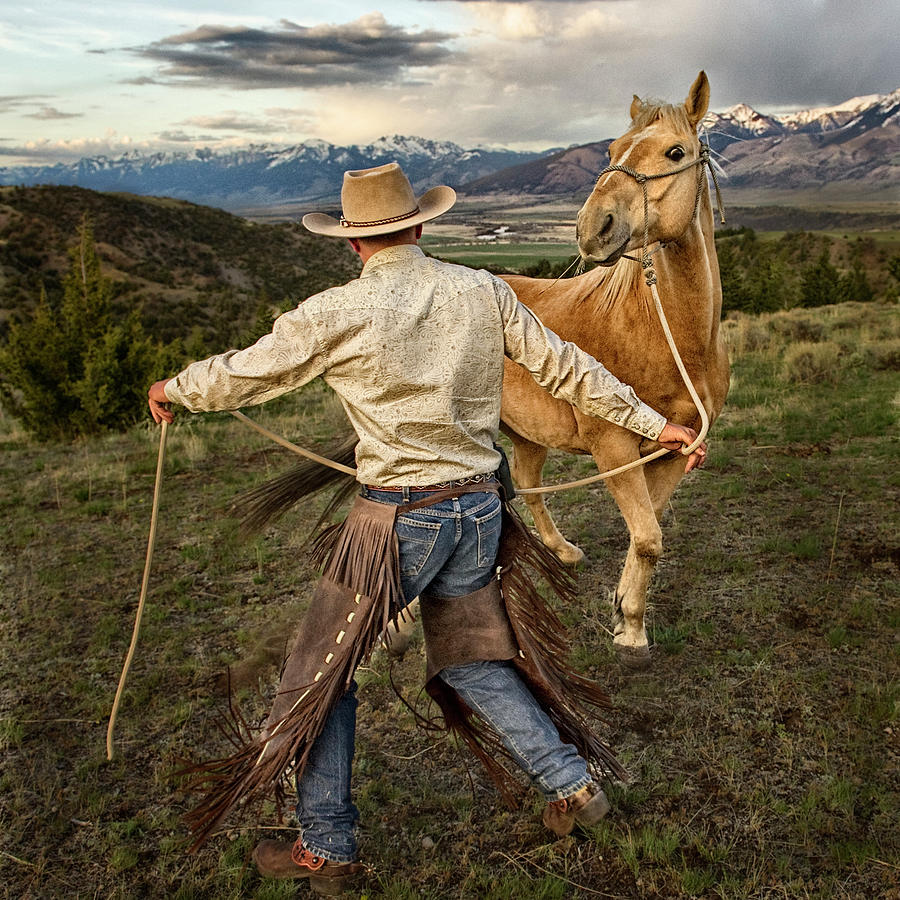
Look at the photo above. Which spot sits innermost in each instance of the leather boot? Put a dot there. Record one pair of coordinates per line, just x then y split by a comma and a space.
585, 807
282, 859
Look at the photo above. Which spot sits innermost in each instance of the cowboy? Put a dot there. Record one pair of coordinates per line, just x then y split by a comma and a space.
414, 348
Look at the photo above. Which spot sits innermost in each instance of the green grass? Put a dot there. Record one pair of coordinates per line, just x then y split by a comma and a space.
512, 256
760, 744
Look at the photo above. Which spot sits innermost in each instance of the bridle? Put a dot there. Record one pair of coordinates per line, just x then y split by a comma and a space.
702, 161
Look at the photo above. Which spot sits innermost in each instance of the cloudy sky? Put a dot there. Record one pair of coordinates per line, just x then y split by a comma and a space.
82, 78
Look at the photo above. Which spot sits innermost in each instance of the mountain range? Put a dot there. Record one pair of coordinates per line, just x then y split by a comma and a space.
856, 143
260, 176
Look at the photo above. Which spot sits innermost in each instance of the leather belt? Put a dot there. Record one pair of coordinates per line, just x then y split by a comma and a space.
441, 486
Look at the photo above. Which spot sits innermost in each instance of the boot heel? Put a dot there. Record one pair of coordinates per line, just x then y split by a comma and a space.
328, 887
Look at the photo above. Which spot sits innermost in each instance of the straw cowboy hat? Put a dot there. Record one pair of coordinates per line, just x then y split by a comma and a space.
379, 201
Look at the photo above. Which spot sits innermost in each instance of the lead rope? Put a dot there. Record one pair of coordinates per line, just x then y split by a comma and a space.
650, 278
151, 543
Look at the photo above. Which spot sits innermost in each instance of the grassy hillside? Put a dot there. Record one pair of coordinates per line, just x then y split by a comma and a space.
189, 268
762, 744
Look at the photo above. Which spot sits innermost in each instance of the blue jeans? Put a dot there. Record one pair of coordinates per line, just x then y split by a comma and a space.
450, 550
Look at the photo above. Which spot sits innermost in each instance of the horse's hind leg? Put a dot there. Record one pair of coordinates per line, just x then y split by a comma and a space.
526, 464
396, 640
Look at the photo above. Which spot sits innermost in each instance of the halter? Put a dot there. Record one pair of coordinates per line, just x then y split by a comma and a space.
703, 160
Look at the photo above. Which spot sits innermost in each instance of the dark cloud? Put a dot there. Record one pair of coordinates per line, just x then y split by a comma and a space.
232, 122
775, 54
367, 50
14, 102
50, 113
140, 81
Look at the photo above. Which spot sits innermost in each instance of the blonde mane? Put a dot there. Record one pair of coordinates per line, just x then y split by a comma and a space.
606, 288
656, 110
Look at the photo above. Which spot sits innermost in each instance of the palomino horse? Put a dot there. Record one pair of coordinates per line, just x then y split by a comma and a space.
609, 312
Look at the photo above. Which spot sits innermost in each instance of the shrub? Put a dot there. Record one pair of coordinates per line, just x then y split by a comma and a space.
798, 327
816, 363
883, 355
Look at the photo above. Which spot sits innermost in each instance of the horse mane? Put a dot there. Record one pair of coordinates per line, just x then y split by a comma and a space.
606, 288
656, 110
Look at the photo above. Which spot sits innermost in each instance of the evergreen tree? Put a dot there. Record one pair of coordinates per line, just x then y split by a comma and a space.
35, 385
854, 285
73, 370
820, 283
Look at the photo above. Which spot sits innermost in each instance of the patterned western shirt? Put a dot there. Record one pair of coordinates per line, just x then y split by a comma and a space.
414, 349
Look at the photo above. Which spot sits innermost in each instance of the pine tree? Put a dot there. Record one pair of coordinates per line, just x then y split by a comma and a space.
854, 285
820, 283
73, 370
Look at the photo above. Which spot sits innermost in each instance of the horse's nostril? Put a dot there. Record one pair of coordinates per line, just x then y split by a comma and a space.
607, 225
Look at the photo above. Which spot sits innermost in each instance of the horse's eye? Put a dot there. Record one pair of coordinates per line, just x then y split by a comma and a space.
676, 153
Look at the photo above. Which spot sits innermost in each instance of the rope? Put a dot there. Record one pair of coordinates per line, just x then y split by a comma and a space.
151, 543
687, 451
546, 488
650, 278
646, 261
294, 448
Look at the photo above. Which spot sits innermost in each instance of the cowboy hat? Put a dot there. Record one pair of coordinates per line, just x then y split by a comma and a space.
378, 201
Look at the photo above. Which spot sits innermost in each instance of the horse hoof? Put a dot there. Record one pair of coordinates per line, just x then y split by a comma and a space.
635, 659
569, 554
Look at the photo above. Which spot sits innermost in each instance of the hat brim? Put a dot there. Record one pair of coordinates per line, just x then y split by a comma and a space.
432, 203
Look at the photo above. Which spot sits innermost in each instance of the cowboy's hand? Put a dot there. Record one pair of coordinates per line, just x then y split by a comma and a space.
680, 437
159, 403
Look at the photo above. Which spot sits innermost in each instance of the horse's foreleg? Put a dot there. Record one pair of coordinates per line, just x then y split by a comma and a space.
526, 464
630, 600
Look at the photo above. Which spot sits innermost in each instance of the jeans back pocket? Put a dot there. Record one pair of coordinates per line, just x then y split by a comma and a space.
488, 528
417, 540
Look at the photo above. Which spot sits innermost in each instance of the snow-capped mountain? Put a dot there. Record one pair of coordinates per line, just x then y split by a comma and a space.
742, 122
264, 175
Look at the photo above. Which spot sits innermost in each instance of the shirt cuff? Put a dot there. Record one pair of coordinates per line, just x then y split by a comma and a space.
173, 392
647, 421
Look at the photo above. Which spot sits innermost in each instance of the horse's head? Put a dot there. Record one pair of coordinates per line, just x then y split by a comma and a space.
662, 139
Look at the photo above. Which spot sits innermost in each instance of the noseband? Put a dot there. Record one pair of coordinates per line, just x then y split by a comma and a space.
703, 160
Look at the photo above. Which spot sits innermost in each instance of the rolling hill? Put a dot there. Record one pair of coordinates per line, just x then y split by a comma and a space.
191, 269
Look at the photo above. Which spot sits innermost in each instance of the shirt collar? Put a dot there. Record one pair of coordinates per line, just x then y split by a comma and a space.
398, 253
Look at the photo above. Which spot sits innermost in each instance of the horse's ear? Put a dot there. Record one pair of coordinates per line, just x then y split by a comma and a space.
636, 105
697, 101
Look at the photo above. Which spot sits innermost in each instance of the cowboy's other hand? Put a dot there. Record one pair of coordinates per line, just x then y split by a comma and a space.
680, 437
159, 402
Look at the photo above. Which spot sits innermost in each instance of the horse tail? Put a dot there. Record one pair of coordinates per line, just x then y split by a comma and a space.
256, 508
